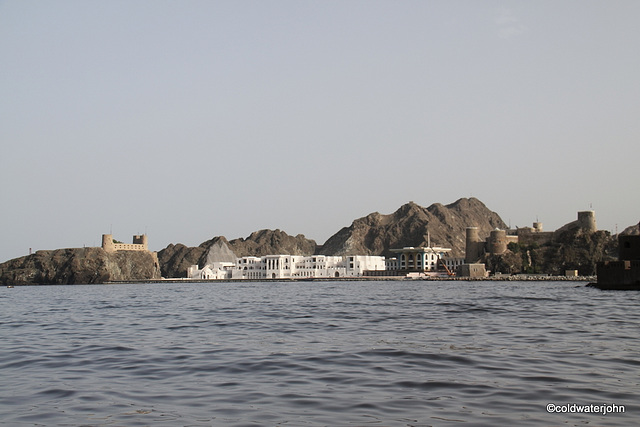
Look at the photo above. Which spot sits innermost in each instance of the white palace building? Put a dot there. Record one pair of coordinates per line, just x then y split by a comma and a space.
289, 267
409, 261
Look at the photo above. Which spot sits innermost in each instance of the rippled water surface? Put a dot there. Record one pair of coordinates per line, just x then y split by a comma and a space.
406, 353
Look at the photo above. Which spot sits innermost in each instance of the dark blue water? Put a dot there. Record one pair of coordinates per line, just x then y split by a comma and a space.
406, 353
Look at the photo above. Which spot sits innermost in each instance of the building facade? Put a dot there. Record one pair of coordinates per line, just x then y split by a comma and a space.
424, 259
289, 267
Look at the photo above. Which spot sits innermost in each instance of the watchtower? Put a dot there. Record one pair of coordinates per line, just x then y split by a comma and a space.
587, 221
141, 239
107, 243
474, 246
497, 243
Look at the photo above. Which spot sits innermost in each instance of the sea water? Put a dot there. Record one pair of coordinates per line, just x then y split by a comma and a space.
370, 353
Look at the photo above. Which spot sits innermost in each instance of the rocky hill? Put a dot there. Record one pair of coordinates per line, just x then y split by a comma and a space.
412, 225
175, 259
79, 266
571, 249
272, 242
633, 230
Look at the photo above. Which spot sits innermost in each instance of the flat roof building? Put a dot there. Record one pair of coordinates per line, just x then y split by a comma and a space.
420, 259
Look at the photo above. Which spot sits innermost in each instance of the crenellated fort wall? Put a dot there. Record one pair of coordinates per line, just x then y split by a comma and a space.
139, 244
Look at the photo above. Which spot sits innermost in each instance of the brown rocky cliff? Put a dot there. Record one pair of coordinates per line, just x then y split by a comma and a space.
272, 242
176, 259
79, 266
412, 225
632, 230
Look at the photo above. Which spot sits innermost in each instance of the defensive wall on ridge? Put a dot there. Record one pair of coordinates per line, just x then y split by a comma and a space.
140, 243
498, 240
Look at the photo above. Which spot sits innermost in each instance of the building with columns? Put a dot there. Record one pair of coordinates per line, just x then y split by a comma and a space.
424, 259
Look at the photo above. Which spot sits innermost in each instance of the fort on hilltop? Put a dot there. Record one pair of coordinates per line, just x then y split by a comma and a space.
139, 244
498, 241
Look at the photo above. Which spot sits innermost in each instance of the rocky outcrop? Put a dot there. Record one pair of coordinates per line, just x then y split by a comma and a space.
576, 250
413, 225
176, 259
272, 242
571, 248
79, 266
633, 230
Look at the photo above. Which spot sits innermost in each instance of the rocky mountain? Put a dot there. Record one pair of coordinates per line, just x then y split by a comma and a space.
175, 259
633, 230
414, 225
272, 242
79, 266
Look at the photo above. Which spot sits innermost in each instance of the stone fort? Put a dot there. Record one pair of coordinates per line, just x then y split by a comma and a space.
498, 240
139, 244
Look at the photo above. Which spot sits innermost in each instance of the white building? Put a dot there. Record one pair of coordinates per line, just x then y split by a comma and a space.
289, 267
215, 271
424, 259
453, 263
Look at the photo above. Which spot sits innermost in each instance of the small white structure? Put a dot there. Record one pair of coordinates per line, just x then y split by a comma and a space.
215, 271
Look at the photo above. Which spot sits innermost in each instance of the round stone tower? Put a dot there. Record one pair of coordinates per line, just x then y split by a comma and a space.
497, 243
537, 227
473, 245
107, 243
587, 221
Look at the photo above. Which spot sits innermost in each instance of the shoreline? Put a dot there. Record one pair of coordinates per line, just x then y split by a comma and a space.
589, 280
503, 278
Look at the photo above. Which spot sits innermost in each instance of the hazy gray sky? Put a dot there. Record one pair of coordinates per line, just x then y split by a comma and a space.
192, 119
